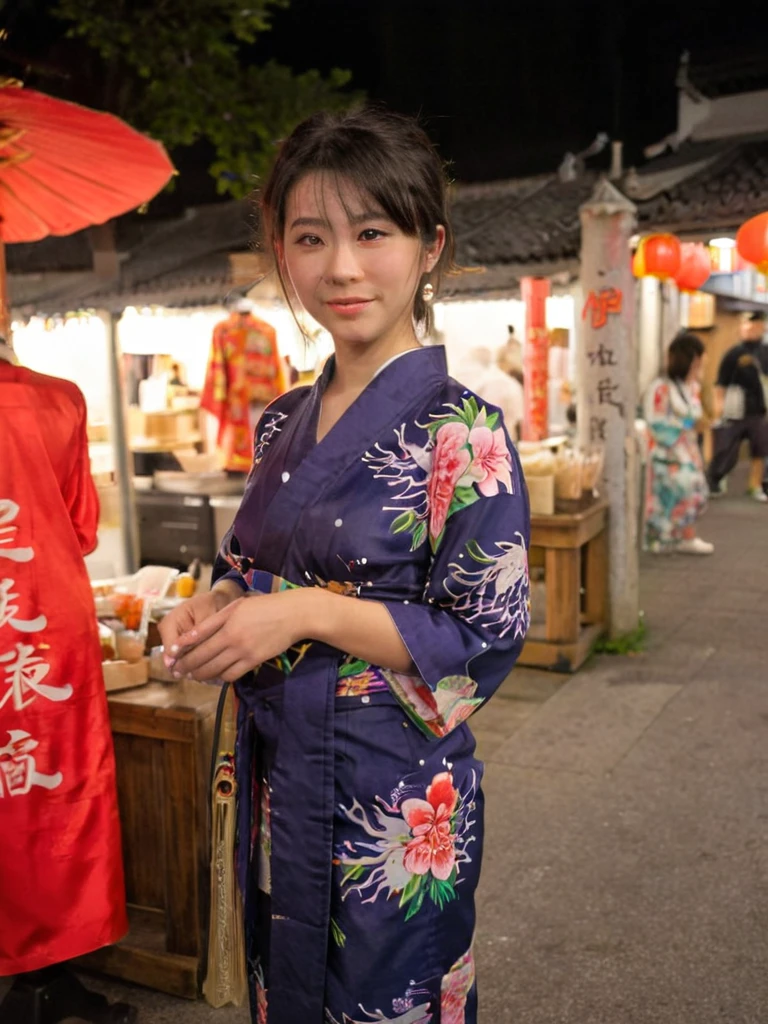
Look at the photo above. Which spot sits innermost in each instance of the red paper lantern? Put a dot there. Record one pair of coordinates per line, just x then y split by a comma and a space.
657, 256
695, 267
752, 242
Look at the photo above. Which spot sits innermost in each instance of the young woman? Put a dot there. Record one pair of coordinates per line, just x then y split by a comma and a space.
372, 594
677, 494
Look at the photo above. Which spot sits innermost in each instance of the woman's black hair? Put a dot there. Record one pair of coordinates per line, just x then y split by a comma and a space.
686, 347
384, 155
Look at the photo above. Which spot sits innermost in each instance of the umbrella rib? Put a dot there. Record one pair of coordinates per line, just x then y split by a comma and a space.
20, 169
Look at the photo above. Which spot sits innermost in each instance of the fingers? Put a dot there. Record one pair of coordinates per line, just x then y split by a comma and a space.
219, 666
193, 632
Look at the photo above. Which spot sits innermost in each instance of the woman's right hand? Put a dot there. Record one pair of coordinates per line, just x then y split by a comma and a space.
192, 613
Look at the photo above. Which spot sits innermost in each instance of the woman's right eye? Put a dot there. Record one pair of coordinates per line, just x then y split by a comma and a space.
309, 240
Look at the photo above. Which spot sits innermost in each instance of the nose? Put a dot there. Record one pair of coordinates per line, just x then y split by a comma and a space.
343, 264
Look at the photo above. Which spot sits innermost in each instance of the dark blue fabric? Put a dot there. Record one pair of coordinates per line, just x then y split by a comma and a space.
364, 907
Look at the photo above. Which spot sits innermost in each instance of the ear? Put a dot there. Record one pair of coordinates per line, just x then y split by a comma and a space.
434, 251
280, 254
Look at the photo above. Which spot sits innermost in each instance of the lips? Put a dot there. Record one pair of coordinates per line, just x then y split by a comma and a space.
349, 305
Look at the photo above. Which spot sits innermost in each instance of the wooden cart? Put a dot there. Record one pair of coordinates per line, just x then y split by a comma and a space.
575, 557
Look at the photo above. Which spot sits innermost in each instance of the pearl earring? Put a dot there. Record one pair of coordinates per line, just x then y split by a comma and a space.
428, 292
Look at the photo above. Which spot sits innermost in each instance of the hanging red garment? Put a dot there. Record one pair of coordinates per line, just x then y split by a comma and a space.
61, 874
245, 373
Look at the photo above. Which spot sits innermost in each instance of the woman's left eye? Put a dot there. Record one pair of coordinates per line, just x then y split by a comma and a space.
371, 234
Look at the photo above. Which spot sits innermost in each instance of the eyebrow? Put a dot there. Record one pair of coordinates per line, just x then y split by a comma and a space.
355, 219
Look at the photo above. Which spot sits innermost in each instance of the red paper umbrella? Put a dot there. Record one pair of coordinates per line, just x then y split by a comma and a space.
64, 167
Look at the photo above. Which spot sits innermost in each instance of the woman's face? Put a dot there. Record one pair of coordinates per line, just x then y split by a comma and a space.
351, 267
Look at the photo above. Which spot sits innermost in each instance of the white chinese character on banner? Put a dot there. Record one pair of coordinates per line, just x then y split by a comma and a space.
25, 675
18, 769
8, 611
8, 512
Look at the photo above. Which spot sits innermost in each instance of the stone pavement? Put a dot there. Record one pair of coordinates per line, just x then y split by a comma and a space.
626, 865
626, 871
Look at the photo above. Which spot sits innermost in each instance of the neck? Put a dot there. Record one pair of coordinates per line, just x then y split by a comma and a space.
358, 364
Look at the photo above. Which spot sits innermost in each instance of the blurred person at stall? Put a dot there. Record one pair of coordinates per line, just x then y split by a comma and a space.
677, 492
740, 405
510, 357
483, 374
61, 872
371, 595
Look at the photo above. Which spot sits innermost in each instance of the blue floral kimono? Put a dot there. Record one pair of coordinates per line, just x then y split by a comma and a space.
361, 819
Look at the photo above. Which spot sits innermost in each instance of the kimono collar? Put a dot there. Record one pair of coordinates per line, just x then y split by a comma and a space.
431, 361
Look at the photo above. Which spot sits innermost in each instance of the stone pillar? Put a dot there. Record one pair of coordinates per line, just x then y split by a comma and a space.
534, 292
607, 385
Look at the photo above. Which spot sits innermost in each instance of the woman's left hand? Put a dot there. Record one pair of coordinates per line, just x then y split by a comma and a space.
240, 637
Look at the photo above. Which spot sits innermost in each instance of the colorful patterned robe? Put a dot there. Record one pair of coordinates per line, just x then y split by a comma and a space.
677, 488
245, 370
361, 812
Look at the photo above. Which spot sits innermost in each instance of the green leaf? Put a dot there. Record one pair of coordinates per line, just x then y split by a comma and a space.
411, 888
441, 892
338, 935
416, 903
419, 535
472, 410
477, 554
354, 668
353, 873
492, 420
403, 522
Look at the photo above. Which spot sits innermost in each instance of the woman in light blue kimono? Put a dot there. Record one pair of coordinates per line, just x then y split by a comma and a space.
677, 492
372, 594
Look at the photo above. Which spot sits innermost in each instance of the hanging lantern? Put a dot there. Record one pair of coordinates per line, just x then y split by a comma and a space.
657, 256
695, 267
752, 242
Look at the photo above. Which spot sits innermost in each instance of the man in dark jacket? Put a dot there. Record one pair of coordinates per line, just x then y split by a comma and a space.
740, 402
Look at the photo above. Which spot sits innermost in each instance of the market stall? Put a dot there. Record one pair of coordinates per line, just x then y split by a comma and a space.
568, 554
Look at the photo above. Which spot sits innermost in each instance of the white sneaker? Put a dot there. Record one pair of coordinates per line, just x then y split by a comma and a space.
758, 494
695, 546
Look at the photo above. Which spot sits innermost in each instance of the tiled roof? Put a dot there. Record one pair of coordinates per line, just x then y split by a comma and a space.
717, 77
729, 190
508, 228
179, 262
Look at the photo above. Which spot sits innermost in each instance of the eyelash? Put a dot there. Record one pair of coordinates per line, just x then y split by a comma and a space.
310, 240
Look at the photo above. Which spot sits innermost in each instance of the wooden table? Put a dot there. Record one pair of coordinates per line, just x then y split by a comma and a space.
575, 546
163, 735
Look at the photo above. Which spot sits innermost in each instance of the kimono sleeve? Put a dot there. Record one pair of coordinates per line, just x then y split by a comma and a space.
80, 493
467, 633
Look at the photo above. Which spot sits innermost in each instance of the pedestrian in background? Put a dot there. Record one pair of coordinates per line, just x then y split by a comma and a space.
741, 407
677, 492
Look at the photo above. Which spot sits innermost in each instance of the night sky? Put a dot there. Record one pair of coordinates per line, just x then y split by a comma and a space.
504, 88
507, 88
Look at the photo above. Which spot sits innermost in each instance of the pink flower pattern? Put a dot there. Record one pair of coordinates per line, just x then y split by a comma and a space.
432, 847
457, 985
450, 461
491, 462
